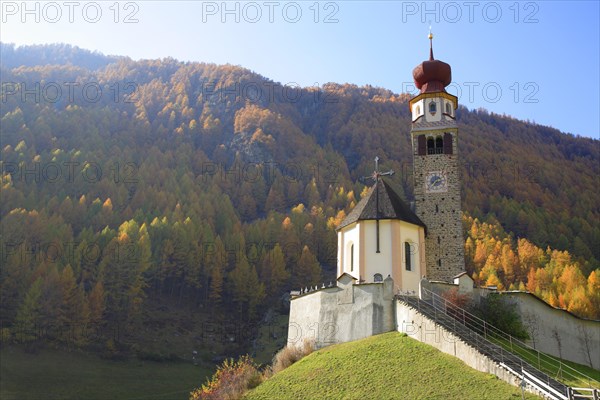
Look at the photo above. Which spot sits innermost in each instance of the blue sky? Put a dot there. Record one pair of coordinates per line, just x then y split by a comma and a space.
533, 60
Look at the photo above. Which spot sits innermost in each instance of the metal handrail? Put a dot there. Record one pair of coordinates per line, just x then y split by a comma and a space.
479, 344
594, 393
489, 329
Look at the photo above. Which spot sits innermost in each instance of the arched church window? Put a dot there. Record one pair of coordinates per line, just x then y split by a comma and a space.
377, 278
430, 146
439, 145
448, 109
418, 112
352, 257
408, 256
432, 107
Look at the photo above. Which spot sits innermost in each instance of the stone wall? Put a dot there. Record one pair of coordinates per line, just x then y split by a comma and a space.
558, 332
553, 331
441, 212
343, 313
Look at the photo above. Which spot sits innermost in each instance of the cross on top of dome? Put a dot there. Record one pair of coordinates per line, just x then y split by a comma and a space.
432, 75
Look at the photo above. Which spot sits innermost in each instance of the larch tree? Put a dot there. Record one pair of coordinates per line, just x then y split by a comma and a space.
245, 287
30, 312
275, 274
307, 271
73, 311
96, 303
216, 284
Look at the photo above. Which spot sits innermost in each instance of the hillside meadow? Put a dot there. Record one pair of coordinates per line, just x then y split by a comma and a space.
387, 366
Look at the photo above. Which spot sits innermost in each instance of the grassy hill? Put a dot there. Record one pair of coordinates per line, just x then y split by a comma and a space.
388, 366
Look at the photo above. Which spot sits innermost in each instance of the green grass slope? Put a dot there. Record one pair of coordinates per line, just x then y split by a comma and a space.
387, 366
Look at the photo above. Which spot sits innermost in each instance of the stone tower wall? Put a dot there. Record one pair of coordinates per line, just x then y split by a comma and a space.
444, 239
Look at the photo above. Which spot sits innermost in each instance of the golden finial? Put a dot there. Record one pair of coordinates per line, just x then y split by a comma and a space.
430, 43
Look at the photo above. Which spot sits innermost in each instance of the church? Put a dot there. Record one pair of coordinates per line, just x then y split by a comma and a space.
383, 236
387, 245
395, 256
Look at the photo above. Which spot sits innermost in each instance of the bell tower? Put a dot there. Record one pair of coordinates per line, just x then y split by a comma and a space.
434, 135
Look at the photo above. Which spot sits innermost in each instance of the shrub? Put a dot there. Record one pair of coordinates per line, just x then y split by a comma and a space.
501, 314
5, 335
231, 381
289, 355
456, 301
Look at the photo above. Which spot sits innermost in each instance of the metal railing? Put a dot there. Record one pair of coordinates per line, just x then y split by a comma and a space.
538, 359
532, 365
585, 393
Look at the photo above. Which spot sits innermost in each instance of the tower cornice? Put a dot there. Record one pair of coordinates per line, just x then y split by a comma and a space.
428, 129
445, 95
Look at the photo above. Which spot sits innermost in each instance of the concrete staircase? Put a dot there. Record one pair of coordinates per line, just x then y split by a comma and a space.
469, 332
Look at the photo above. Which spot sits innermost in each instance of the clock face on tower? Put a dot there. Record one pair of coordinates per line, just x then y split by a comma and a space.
436, 182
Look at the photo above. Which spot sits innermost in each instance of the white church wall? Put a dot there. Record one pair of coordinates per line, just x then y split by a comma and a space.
351, 235
390, 260
377, 262
410, 279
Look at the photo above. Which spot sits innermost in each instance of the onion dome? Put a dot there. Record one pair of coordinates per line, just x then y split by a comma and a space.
432, 75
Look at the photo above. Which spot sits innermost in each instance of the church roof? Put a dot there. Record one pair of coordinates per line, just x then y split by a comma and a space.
391, 206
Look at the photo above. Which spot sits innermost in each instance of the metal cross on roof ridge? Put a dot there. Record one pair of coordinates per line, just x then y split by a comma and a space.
378, 174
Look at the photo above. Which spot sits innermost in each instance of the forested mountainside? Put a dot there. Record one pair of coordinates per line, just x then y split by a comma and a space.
129, 181
56, 54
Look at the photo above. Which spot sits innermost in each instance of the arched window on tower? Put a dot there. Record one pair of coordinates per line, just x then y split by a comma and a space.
418, 112
432, 107
439, 145
430, 146
448, 109
377, 278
